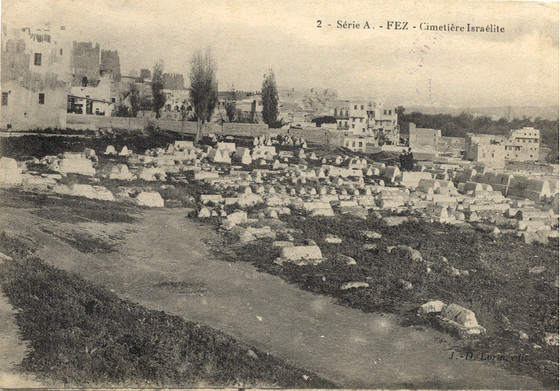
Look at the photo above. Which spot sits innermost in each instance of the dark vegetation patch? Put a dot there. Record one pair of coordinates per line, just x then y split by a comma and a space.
82, 335
84, 242
498, 287
68, 209
40, 145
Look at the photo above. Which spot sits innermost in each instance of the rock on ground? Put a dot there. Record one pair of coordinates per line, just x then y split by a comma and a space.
151, 199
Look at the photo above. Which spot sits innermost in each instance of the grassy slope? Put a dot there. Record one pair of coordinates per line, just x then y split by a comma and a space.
83, 335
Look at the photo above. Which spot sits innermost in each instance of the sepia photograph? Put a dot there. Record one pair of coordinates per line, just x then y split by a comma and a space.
258, 194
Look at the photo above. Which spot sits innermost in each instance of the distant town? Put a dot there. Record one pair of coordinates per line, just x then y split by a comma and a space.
52, 82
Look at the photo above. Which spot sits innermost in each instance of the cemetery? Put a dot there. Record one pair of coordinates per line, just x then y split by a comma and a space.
344, 224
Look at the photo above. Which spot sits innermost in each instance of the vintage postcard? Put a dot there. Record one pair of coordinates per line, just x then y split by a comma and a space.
353, 194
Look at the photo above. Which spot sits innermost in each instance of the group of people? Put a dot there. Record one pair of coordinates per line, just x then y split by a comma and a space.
407, 160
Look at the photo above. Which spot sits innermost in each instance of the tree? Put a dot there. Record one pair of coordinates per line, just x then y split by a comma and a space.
130, 103
204, 88
134, 100
400, 110
121, 111
326, 119
270, 100
158, 99
230, 105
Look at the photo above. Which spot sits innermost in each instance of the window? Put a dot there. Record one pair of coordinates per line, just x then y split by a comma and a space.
41, 98
113, 100
355, 107
4, 99
361, 107
389, 112
360, 145
61, 51
353, 126
361, 120
384, 112
38, 59
353, 144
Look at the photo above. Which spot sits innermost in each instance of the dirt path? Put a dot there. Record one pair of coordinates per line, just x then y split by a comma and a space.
163, 263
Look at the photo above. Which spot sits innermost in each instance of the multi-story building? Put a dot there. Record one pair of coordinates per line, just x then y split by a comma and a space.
35, 77
486, 148
384, 123
523, 144
45, 76
518, 145
358, 116
96, 79
341, 114
368, 119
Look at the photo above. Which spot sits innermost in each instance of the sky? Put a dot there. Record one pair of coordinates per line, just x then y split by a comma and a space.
410, 67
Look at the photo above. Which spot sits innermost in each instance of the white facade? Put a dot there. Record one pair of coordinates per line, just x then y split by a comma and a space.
92, 100
35, 77
523, 144
369, 118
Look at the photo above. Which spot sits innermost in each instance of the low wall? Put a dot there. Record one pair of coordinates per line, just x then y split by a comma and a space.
94, 122
533, 167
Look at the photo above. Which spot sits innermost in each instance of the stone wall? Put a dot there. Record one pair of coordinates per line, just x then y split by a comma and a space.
85, 62
110, 61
